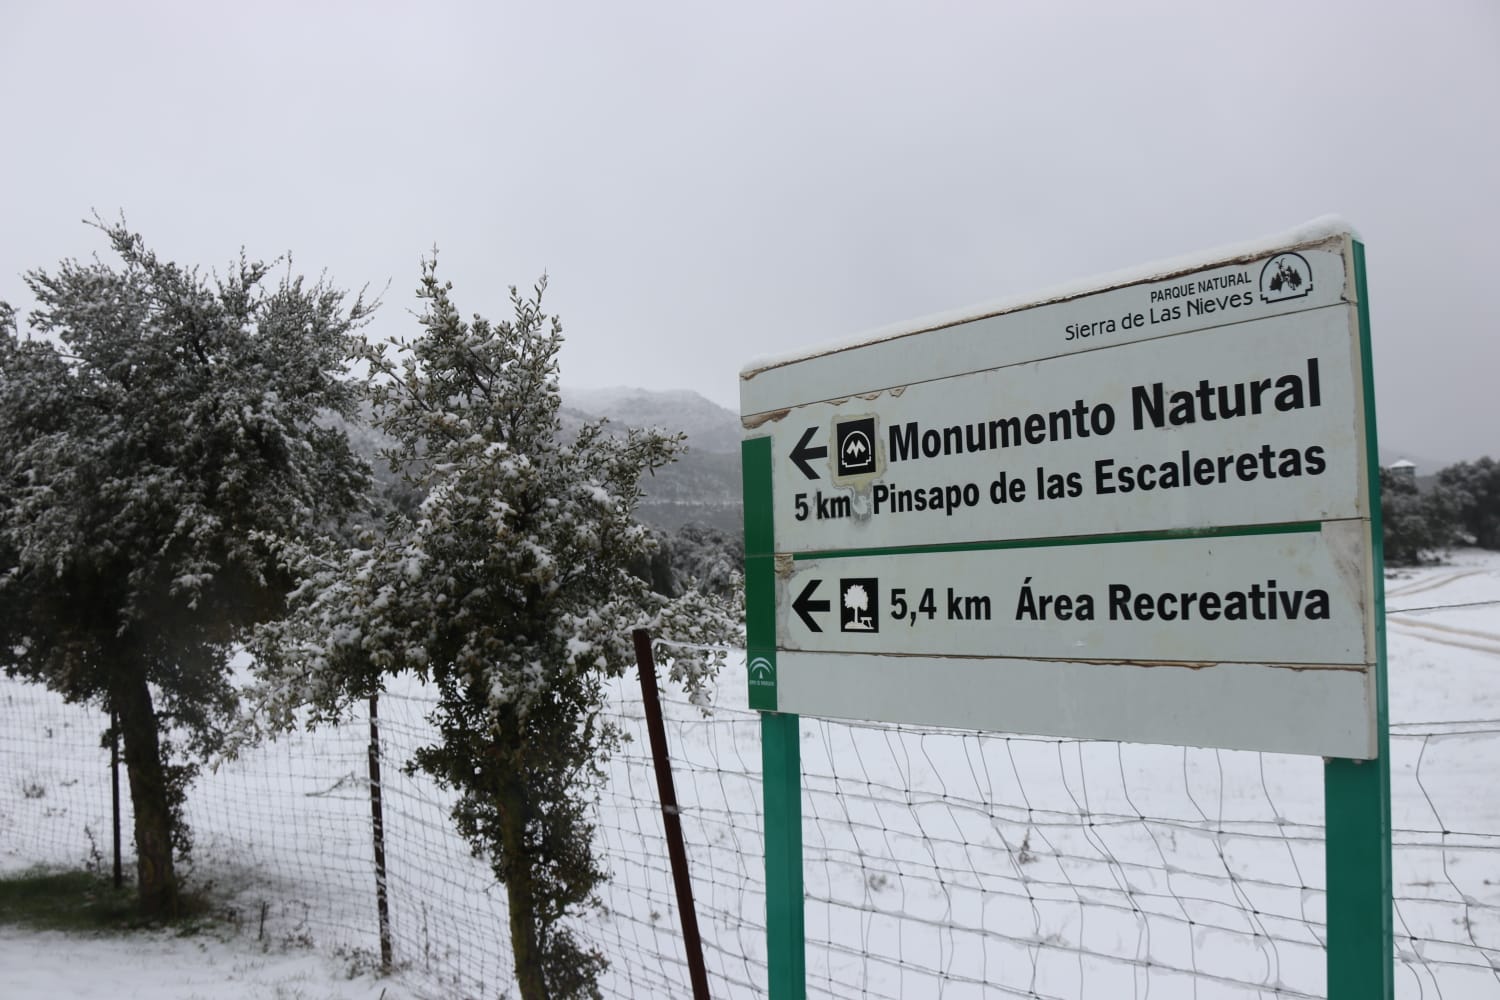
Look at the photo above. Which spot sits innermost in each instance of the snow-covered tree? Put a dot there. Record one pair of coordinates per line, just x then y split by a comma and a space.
508, 590
1410, 534
705, 558
159, 428
1475, 491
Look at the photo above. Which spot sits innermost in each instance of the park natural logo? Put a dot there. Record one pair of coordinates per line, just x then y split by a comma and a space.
1285, 276
855, 440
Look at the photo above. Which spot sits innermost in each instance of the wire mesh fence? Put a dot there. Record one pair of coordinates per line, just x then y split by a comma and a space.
936, 863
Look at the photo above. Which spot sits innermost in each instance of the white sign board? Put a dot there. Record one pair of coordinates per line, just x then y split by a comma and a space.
1139, 512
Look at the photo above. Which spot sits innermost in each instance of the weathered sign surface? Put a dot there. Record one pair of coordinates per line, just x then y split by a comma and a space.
1138, 510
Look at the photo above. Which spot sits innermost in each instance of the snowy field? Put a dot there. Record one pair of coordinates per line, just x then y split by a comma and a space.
937, 864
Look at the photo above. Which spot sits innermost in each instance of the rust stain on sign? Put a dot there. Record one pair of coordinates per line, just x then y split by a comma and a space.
755, 420
1148, 664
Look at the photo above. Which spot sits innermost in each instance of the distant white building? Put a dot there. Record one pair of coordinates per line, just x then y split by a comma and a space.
1402, 467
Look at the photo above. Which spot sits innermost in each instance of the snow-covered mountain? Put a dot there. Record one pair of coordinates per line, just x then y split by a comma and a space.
704, 484
709, 426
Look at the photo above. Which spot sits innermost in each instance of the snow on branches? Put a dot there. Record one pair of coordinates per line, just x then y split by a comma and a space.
508, 589
162, 433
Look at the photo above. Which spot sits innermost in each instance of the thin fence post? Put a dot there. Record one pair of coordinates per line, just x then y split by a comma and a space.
377, 827
671, 815
114, 778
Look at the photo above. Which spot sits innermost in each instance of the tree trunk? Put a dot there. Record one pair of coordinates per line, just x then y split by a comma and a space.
156, 878
520, 892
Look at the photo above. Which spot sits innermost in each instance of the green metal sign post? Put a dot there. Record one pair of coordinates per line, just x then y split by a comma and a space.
1357, 794
781, 752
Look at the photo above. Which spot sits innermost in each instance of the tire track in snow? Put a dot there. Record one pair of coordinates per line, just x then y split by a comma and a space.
1450, 629
1409, 630
1422, 586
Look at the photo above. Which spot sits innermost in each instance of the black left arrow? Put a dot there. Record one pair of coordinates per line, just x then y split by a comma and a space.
804, 604
802, 453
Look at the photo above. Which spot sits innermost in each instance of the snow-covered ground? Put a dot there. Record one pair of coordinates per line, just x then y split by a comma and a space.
155, 966
936, 863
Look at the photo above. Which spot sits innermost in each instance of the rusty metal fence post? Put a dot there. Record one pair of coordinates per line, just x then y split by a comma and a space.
377, 826
671, 816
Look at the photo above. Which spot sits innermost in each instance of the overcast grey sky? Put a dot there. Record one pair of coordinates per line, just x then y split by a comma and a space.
707, 182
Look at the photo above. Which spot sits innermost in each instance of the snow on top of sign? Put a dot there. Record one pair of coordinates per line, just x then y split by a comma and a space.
1318, 230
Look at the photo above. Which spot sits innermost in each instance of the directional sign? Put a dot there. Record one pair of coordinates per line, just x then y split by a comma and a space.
1291, 596
1244, 424
1135, 510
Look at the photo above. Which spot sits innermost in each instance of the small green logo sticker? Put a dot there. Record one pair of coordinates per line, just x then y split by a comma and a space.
762, 672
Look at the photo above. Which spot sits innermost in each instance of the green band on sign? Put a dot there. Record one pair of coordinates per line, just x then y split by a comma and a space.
1301, 527
760, 574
